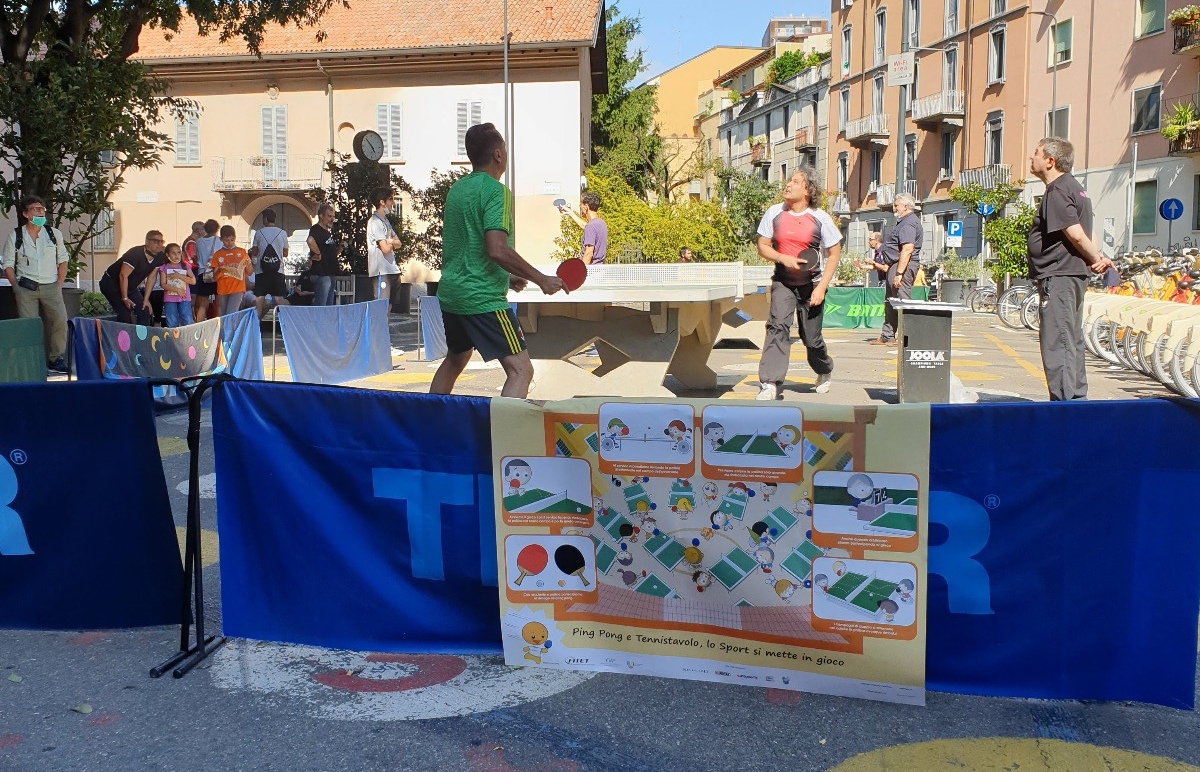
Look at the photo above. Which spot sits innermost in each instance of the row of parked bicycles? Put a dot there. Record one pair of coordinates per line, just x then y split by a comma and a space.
1149, 322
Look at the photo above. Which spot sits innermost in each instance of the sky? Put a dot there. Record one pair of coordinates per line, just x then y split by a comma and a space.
674, 31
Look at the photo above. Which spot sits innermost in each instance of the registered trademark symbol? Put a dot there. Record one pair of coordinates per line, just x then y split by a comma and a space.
18, 457
992, 501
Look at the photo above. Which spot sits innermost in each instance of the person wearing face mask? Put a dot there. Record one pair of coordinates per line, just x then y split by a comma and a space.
35, 263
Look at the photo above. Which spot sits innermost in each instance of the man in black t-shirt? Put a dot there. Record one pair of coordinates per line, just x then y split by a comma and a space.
323, 253
121, 283
1061, 253
901, 252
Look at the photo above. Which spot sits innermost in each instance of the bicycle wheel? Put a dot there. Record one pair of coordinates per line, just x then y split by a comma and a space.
1031, 312
1134, 353
1103, 341
1160, 363
1185, 382
1008, 305
1121, 336
983, 301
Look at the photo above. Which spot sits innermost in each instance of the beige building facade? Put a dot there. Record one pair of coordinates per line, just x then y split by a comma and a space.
266, 125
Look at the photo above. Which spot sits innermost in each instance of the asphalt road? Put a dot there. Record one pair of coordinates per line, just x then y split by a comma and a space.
83, 700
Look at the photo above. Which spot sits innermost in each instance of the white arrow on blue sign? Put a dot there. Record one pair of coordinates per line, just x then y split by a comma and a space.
1171, 209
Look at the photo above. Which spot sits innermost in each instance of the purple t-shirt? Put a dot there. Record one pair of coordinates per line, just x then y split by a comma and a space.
595, 234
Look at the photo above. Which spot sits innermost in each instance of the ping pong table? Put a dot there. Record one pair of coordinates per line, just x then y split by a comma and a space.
646, 321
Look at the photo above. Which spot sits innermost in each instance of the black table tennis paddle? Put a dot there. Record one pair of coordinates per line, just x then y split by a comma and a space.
570, 560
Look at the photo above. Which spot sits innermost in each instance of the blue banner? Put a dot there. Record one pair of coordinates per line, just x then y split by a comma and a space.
356, 519
335, 344
112, 350
1064, 554
86, 536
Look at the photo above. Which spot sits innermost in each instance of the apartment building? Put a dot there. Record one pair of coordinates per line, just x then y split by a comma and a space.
788, 29
962, 120
1110, 88
770, 128
685, 98
404, 68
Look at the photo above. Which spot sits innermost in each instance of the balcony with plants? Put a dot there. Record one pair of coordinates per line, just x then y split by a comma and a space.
1182, 130
1185, 25
760, 151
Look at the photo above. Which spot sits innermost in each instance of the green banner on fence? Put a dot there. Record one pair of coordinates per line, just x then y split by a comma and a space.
847, 308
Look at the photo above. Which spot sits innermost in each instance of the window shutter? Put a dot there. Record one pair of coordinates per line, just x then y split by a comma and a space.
268, 131
281, 162
464, 117
381, 126
180, 142
395, 130
193, 140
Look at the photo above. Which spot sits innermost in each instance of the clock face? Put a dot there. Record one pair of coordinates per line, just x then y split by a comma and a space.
369, 146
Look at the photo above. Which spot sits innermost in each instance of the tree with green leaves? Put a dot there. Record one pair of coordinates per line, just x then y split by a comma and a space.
1007, 229
76, 113
746, 197
789, 64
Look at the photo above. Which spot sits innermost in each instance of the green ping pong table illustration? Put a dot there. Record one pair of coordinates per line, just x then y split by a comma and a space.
665, 550
652, 585
861, 593
799, 562
538, 501
611, 521
733, 567
751, 445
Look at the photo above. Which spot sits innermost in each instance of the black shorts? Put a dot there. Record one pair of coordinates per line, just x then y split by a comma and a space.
494, 335
270, 284
201, 287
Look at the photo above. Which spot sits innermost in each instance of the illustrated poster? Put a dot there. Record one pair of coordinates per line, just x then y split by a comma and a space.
774, 545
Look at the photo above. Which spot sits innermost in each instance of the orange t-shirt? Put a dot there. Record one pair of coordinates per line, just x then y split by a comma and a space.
230, 266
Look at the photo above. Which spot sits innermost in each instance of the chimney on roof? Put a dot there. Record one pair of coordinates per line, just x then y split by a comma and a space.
549, 12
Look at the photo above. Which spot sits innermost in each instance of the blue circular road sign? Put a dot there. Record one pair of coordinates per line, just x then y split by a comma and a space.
1171, 209
985, 209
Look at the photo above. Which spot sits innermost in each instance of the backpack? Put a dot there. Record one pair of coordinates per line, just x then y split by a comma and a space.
20, 239
269, 261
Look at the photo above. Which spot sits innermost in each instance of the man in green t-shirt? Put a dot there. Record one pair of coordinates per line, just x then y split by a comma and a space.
479, 266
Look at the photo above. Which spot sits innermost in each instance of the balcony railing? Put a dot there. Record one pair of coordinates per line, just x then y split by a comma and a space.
760, 155
268, 173
873, 128
1187, 40
806, 139
885, 195
939, 107
987, 176
812, 76
840, 202
909, 188
1187, 143
951, 25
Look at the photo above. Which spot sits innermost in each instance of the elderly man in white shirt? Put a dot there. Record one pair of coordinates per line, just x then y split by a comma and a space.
35, 263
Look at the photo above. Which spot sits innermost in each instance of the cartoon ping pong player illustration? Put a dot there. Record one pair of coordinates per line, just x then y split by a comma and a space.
538, 638
517, 474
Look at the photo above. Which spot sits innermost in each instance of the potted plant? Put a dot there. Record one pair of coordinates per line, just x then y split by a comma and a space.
1187, 16
850, 272
758, 147
1181, 125
96, 305
958, 273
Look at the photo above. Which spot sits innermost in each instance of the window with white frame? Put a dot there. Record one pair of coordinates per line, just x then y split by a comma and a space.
1145, 207
389, 122
914, 23
1060, 42
876, 168
470, 113
1058, 122
1147, 108
993, 146
787, 115
996, 45
910, 157
105, 238
187, 141
846, 50
950, 25
880, 37
1151, 17
999, 7
273, 122
843, 171
844, 109
950, 69
911, 90
877, 95
946, 167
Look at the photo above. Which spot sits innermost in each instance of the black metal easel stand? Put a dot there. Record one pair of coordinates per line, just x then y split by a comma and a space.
189, 654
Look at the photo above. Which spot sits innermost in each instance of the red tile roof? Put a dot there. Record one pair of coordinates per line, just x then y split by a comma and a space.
375, 25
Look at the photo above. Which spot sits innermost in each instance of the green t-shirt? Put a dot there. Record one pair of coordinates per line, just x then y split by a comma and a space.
473, 283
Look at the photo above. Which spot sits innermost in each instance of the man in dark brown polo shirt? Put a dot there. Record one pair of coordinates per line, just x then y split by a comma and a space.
1061, 254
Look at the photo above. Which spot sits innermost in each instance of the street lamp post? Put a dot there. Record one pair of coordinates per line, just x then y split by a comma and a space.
1054, 69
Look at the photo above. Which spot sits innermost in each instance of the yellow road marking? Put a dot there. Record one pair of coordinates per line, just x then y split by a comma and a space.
1030, 368
210, 551
993, 754
171, 446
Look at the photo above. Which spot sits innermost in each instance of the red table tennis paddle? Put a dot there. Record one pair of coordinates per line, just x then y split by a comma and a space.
573, 272
531, 559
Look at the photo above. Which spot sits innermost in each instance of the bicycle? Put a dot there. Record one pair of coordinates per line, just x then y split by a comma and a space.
1008, 305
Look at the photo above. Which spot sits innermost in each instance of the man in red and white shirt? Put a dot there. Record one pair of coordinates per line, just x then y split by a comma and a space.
805, 246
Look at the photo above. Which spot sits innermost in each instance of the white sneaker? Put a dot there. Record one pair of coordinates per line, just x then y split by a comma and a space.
823, 382
766, 392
